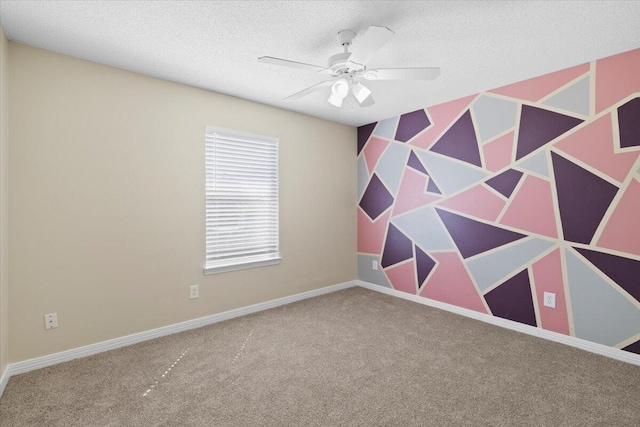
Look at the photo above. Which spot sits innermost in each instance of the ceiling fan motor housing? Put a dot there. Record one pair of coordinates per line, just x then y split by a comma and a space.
338, 63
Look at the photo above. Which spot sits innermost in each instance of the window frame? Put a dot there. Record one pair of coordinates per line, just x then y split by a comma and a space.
240, 262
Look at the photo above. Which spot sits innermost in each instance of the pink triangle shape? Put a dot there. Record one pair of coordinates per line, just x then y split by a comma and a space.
531, 209
538, 87
622, 232
412, 194
593, 144
371, 234
403, 277
478, 201
547, 276
373, 150
441, 116
617, 77
498, 153
450, 283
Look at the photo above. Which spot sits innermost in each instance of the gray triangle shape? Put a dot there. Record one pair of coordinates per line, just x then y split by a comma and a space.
575, 98
487, 270
494, 116
537, 163
423, 226
391, 166
366, 273
601, 313
386, 128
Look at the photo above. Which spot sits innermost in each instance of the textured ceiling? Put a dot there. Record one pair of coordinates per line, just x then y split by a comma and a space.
215, 45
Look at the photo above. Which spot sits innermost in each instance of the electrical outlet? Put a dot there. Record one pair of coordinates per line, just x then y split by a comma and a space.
550, 299
375, 264
51, 320
194, 291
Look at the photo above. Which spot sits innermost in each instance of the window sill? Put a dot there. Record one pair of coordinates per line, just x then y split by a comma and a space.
241, 265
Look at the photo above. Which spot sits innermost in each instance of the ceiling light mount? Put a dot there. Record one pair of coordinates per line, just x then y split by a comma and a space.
345, 38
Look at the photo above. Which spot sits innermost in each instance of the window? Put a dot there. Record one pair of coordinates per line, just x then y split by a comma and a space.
242, 200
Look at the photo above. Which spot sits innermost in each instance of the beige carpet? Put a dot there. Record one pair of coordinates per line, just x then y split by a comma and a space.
351, 358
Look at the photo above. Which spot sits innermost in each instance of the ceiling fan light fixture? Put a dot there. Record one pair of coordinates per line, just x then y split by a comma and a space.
361, 92
336, 101
339, 90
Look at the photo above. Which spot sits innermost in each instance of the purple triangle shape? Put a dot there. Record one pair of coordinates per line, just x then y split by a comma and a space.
376, 198
432, 187
460, 141
538, 126
364, 132
473, 237
629, 123
397, 247
512, 300
506, 182
424, 265
633, 348
411, 124
624, 271
416, 164
583, 199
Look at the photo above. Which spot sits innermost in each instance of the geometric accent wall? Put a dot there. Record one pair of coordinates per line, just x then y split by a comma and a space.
489, 201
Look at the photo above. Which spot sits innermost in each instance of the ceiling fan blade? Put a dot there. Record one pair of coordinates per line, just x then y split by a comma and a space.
310, 89
369, 43
368, 102
424, 73
293, 64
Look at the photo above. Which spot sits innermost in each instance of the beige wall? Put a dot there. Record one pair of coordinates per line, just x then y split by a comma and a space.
4, 197
107, 202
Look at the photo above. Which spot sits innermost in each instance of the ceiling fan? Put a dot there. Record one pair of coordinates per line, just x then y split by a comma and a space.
347, 69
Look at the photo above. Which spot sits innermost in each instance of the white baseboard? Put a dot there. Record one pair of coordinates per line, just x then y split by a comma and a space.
4, 379
64, 356
88, 350
589, 346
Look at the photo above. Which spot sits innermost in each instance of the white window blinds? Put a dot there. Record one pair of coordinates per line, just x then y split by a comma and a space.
242, 200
